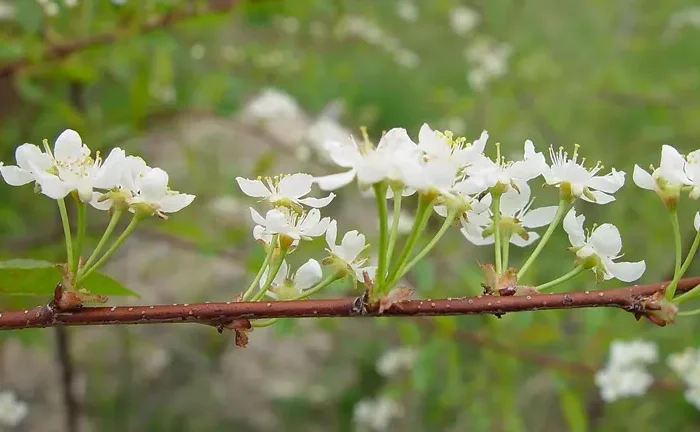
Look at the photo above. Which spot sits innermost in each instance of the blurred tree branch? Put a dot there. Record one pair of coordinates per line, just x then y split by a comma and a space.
60, 51
236, 315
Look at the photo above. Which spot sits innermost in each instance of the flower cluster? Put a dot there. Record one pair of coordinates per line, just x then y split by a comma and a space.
12, 410
625, 373
118, 180
686, 364
377, 414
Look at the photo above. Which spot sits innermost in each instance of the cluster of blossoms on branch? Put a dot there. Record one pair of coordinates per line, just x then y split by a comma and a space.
117, 184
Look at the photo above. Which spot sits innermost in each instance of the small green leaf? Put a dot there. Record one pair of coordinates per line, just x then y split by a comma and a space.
100, 283
33, 277
573, 409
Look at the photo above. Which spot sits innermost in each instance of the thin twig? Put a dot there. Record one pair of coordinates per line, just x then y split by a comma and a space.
60, 51
71, 406
629, 298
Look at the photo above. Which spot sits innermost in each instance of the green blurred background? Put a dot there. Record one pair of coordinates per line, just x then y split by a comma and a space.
620, 78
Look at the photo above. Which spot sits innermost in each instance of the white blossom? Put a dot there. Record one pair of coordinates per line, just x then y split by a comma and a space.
377, 414
514, 209
151, 195
625, 373
463, 20
283, 221
349, 250
407, 10
272, 104
442, 146
692, 171
686, 364
370, 165
582, 182
30, 160
669, 177
396, 360
285, 285
284, 190
485, 173
12, 410
603, 246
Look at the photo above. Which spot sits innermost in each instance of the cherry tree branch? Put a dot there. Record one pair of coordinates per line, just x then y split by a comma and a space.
60, 51
631, 299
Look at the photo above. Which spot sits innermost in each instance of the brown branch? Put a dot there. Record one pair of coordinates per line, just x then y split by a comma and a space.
60, 51
629, 298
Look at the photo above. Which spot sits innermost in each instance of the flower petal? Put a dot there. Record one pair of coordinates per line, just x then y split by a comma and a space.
295, 185
104, 205
15, 176
539, 217
257, 217
573, 225
643, 179
279, 277
696, 221
335, 181
30, 157
606, 240
153, 186
344, 154
53, 187
609, 183
69, 146
253, 188
626, 271
172, 203
477, 240
370, 270
110, 173
308, 275
600, 197
351, 245
331, 235
317, 202
513, 202
671, 159
520, 242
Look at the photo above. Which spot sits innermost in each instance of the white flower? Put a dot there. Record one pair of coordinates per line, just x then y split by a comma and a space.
630, 353
30, 160
396, 360
485, 173
153, 196
582, 182
407, 10
686, 365
349, 250
286, 286
692, 171
286, 222
437, 145
669, 177
463, 20
603, 246
625, 373
326, 129
377, 414
272, 104
12, 411
370, 165
74, 170
620, 383
284, 190
515, 210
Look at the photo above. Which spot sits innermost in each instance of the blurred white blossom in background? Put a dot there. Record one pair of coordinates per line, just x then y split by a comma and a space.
687, 17
686, 365
407, 10
396, 360
7, 11
272, 104
12, 410
377, 414
488, 60
625, 373
463, 20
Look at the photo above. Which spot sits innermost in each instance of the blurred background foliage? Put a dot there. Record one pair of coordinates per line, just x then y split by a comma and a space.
158, 76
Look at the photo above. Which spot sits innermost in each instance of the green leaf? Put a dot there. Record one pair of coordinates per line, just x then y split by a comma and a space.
574, 410
29, 277
100, 283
